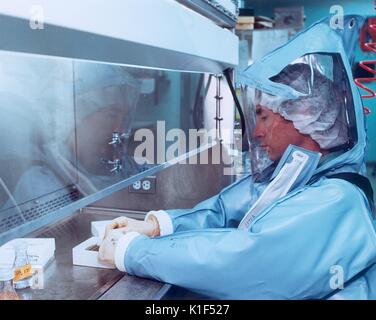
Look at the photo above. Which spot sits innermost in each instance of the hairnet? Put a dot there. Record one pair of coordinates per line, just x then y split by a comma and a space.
319, 112
102, 85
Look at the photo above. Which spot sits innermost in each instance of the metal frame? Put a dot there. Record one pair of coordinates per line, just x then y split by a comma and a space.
215, 11
132, 32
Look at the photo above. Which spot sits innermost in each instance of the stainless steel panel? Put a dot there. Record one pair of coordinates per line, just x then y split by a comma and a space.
179, 186
60, 213
37, 209
134, 288
113, 32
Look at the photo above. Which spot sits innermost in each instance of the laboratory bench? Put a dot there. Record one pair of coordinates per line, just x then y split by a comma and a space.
65, 281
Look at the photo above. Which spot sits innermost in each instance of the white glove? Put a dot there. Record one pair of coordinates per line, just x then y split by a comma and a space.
120, 226
107, 248
150, 227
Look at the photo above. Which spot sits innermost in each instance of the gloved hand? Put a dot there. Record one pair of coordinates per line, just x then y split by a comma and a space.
107, 248
120, 226
150, 227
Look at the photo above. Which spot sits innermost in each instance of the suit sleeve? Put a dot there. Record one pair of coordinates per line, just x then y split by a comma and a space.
225, 209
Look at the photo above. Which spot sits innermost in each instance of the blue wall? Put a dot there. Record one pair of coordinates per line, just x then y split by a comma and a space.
315, 10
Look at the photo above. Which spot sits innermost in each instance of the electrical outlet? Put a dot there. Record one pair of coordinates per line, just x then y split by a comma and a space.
145, 185
136, 185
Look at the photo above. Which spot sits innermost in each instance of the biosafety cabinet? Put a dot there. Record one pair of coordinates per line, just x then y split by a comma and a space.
104, 104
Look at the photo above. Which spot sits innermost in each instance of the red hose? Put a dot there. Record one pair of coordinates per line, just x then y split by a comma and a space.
370, 46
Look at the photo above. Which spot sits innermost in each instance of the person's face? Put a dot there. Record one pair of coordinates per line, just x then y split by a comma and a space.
275, 133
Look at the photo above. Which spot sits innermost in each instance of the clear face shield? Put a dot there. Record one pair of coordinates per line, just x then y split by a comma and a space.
307, 104
260, 162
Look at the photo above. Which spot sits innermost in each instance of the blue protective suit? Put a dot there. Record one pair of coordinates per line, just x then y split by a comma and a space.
298, 246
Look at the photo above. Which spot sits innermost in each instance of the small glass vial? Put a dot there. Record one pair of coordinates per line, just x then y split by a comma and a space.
7, 291
22, 268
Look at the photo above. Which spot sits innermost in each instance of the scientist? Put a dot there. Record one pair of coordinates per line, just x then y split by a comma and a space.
316, 242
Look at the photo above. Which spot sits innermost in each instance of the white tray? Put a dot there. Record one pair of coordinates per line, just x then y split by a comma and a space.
84, 255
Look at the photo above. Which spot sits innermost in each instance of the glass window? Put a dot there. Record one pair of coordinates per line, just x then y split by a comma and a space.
71, 129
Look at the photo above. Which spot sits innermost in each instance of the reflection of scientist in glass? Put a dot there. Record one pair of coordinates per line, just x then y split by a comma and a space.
106, 98
40, 140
